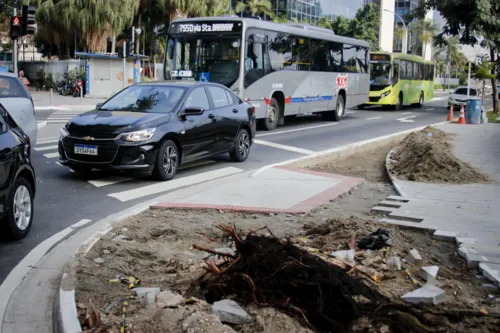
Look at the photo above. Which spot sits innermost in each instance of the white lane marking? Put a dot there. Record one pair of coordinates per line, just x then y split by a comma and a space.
349, 112
373, 118
429, 109
45, 141
81, 223
295, 130
16, 275
45, 148
284, 147
406, 112
343, 148
407, 119
51, 155
41, 124
58, 118
173, 184
108, 181
57, 121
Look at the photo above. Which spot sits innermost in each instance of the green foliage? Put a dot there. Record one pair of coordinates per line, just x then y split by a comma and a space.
340, 25
483, 70
365, 25
256, 8
462, 79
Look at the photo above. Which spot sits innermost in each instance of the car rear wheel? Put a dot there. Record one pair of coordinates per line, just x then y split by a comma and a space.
241, 148
167, 161
20, 215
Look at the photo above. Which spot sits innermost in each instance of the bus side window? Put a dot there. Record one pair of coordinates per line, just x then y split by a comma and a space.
395, 72
336, 57
402, 70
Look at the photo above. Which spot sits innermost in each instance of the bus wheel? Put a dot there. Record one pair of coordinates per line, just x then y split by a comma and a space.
399, 103
273, 114
421, 100
339, 110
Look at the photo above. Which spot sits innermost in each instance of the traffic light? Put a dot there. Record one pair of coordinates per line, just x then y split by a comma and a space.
15, 27
28, 22
130, 49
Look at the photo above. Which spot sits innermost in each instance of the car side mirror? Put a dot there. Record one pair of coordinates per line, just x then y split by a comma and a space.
98, 106
193, 111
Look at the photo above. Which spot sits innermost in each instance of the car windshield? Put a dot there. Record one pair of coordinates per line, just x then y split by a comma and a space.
463, 91
145, 98
380, 73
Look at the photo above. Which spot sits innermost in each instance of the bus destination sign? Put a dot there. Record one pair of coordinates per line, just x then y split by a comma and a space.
205, 27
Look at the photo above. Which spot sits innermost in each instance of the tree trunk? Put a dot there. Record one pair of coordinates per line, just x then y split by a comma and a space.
496, 107
137, 40
68, 51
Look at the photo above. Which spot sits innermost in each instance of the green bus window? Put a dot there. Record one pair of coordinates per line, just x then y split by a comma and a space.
395, 72
402, 70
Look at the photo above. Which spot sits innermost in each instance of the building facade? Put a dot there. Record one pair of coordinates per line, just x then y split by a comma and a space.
312, 10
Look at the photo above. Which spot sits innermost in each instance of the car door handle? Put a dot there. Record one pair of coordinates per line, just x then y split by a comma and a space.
235, 110
211, 116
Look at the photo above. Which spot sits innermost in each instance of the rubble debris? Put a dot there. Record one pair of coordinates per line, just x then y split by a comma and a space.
228, 311
427, 294
394, 263
167, 299
376, 240
345, 255
99, 260
429, 273
430, 159
414, 257
324, 296
106, 251
200, 321
121, 238
132, 281
491, 271
141, 292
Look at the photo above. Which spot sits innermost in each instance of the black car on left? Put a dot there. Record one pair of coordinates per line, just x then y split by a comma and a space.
17, 179
156, 127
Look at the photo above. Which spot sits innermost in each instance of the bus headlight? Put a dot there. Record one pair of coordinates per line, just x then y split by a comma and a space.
385, 94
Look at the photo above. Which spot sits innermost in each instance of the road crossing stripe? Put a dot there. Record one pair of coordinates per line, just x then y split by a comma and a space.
46, 148
61, 121
109, 181
51, 155
174, 184
284, 147
45, 141
373, 118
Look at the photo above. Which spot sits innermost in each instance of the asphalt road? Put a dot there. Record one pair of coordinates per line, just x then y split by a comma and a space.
64, 198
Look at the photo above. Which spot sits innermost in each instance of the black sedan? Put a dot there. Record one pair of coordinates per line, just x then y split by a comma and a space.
156, 127
17, 179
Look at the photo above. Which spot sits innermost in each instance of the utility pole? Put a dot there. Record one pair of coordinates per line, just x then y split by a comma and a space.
124, 61
14, 51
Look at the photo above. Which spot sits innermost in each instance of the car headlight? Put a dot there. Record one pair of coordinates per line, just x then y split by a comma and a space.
385, 94
64, 132
142, 135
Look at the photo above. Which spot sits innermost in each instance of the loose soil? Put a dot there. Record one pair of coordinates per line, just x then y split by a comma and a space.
157, 247
429, 159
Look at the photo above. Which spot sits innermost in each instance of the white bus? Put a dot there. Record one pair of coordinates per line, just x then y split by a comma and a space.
283, 69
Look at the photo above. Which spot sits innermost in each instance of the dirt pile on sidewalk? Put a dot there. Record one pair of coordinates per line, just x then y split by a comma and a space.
426, 156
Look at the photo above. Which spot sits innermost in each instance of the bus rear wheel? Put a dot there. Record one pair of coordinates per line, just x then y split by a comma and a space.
420, 100
273, 114
339, 110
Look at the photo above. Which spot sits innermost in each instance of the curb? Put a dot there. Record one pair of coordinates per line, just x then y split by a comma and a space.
345, 151
392, 179
41, 124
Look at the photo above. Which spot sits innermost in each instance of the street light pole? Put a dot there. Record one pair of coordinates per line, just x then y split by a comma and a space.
14, 42
404, 45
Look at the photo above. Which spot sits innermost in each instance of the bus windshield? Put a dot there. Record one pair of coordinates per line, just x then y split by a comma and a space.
203, 58
380, 73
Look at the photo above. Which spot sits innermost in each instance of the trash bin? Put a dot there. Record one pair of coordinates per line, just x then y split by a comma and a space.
473, 111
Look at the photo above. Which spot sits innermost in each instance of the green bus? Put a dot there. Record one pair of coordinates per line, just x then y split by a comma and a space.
398, 79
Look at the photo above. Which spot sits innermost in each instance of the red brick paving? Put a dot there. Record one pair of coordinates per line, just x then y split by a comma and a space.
304, 207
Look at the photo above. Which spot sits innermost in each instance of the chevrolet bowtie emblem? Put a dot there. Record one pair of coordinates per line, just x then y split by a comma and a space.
88, 138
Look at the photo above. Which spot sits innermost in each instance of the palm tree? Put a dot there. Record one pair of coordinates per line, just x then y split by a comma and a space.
256, 7
425, 31
399, 33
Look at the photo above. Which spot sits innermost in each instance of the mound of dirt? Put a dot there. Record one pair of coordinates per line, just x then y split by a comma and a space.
427, 157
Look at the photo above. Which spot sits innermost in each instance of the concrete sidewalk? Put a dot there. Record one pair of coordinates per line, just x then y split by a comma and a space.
466, 214
274, 190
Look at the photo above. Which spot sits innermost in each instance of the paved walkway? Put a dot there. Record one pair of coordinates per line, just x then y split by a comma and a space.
274, 190
466, 214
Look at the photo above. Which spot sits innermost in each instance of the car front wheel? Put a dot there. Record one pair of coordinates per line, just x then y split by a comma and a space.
20, 216
167, 161
241, 148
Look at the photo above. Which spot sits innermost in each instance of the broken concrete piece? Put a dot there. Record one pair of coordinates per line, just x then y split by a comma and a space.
429, 273
414, 257
394, 263
230, 312
150, 299
99, 260
167, 299
142, 292
491, 272
106, 252
427, 294
345, 255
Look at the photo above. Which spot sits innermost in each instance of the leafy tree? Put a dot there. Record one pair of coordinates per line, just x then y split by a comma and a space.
483, 72
469, 21
256, 7
365, 25
340, 26
425, 31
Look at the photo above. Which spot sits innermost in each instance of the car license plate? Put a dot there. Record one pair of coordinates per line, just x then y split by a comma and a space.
86, 150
